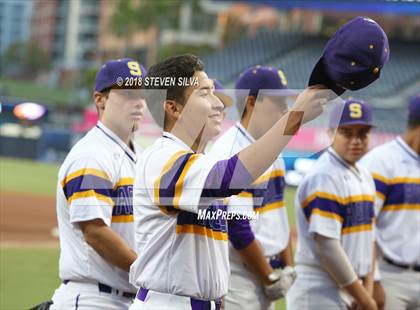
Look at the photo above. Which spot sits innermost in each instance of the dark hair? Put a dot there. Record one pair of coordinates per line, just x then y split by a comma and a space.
413, 122
181, 66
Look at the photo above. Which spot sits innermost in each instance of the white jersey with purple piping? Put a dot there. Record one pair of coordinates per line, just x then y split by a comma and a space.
336, 200
395, 167
95, 182
179, 253
265, 195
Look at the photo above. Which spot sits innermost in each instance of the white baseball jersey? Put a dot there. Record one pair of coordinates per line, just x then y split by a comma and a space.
396, 171
265, 195
95, 182
336, 201
179, 253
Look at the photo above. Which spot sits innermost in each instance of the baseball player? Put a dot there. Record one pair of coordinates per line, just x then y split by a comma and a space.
184, 260
94, 198
250, 262
335, 216
395, 167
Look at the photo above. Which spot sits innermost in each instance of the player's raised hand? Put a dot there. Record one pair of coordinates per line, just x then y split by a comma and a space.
311, 102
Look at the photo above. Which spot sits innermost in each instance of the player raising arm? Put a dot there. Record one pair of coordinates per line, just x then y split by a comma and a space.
184, 260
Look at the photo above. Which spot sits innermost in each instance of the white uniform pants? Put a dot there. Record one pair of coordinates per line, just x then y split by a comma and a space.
313, 289
402, 287
245, 291
86, 296
161, 301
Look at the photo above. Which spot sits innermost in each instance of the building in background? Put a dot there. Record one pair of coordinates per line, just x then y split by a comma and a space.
15, 17
68, 30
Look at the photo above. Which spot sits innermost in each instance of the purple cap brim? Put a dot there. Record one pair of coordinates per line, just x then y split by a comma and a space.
356, 123
319, 76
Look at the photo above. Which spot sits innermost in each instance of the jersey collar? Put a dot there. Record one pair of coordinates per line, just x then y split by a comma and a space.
407, 148
112, 136
342, 162
245, 132
168, 135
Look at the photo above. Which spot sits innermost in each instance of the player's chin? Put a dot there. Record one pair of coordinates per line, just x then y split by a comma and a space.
355, 156
212, 129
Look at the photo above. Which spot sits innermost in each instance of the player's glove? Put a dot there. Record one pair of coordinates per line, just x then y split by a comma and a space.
283, 280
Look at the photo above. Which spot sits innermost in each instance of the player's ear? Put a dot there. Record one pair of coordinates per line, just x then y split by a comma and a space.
100, 100
172, 108
249, 104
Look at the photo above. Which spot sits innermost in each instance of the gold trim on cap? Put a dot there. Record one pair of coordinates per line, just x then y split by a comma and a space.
353, 63
375, 70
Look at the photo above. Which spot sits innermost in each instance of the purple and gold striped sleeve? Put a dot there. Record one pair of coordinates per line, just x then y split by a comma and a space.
88, 189
190, 181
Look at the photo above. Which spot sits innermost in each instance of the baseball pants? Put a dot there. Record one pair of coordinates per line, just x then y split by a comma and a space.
402, 287
245, 291
313, 289
86, 296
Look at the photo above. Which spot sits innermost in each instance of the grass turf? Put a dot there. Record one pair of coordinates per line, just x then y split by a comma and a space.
27, 277
25, 176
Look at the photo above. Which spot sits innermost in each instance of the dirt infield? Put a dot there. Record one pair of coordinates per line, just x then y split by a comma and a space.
27, 219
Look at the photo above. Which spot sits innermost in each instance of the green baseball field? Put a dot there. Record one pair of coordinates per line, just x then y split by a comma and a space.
29, 247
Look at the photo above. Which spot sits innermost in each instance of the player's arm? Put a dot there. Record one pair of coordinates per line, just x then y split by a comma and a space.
108, 244
249, 249
378, 290
369, 278
253, 258
335, 261
88, 188
286, 256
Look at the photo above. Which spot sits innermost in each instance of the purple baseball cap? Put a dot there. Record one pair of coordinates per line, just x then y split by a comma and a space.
114, 73
272, 80
353, 57
351, 112
221, 94
414, 108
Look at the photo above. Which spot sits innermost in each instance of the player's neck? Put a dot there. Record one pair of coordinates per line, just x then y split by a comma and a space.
196, 143
123, 133
412, 138
245, 122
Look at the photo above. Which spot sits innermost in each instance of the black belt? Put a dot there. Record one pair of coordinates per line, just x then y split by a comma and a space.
403, 266
103, 288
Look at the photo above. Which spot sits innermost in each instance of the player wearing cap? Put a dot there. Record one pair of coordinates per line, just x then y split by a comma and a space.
261, 101
335, 216
94, 198
184, 260
395, 167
